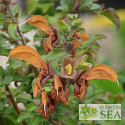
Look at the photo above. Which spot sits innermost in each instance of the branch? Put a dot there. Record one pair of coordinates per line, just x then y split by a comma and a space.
14, 103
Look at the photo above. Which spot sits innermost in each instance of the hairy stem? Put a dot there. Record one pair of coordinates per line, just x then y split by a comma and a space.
77, 11
14, 103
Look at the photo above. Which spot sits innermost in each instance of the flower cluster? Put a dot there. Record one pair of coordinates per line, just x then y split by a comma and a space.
69, 69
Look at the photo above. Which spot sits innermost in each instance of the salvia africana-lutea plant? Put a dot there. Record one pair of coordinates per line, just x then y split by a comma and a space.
61, 65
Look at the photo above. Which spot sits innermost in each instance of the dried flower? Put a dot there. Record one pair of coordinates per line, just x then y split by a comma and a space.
47, 105
98, 72
80, 38
52, 35
59, 91
30, 55
68, 68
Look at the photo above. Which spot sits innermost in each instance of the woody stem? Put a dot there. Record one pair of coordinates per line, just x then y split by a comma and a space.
14, 103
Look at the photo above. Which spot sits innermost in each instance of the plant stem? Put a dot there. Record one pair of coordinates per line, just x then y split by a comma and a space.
14, 20
77, 11
3, 121
14, 103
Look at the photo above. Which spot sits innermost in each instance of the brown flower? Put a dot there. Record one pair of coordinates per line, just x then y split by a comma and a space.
59, 92
80, 38
47, 105
50, 41
98, 72
68, 68
41, 79
30, 55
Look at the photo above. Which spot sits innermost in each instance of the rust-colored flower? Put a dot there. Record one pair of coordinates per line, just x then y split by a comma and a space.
59, 91
52, 35
30, 55
98, 72
50, 41
41, 79
47, 105
80, 38
68, 68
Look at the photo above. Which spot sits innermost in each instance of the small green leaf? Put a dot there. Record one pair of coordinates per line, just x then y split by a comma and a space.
12, 119
9, 71
17, 78
7, 79
1, 80
31, 75
66, 120
15, 9
112, 15
76, 22
2, 16
63, 26
64, 108
51, 56
2, 95
31, 107
9, 110
14, 63
98, 37
31, 6
94, 6
36, 119
24, 116
25, 96
1, 106
12, 29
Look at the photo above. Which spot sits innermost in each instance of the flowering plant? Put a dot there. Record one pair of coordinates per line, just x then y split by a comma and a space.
55, 77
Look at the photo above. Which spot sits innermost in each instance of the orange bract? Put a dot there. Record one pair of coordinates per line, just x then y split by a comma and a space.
41, 23
101, 72
76, 43
28, 54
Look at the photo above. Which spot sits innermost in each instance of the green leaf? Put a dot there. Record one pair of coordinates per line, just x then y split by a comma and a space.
7, 79
15, 9
64, 108
45, 6
17, 78
1, 80
31, 75
24, 116
14, 63
31, 6
107, 85
1, 71
51, 56
9, 110
2, 95
25, 96
36, 119
2, 16
66, 120
76, 22
98, 37
1, 106
89, 92
2, 88
12, 29
9, 71
31, 107
94, 6
112, 15
63, 26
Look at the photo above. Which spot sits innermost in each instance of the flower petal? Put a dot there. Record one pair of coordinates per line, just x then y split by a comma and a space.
28, 54
41, 23
101, 72
84, 36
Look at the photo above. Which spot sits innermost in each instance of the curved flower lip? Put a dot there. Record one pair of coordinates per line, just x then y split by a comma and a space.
41, 23
28, 54
80, 39
74, 63
59, 92
47, 105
